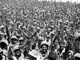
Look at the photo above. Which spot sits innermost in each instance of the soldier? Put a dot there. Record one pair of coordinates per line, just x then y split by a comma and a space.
77, 48
14, 40
17, 54
21, 41
54, 50
42, 54
61, 50
4, 48
11, 46
44, 51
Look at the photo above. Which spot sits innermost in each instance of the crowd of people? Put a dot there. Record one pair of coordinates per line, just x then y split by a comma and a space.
39, 30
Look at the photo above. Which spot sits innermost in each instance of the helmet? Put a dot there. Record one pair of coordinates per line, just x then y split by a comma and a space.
21, 41
44, 43
3, 44
5, 41
62, 43
77, 55
14, 39
2, 29
21, 38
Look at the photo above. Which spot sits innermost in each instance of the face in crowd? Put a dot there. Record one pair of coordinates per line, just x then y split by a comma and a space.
14, 40
56, 42
21, 41
44, 48
17, 53
62, 45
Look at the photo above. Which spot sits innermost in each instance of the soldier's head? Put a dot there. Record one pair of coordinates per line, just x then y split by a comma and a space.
17, 52
14, 40
3, 44
1, 37
77, 56
78, 38
21, 41
2, 29
77, 44
44, 46
55, 41
1, 57
62, 44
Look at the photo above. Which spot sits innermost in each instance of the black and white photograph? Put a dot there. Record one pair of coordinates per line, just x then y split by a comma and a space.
39, 29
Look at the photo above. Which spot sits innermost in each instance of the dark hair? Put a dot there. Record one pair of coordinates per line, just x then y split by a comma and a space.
18, 36
33, 46
14, 39
0, 37
77, 58
3, 45
78, 39
17, 50
1, 57
45, 45
25, 53
76, 44
56, 38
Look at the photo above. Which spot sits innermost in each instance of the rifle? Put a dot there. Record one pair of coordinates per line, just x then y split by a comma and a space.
26, 42
5, 24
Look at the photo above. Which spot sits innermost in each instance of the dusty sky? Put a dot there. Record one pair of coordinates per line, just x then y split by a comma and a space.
78, 1
69, 0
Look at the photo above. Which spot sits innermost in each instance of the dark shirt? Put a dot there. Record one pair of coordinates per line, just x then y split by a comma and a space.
31, 57
52, 56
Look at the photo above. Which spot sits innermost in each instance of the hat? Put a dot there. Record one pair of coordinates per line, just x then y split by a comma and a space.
14, 37
63, 43
5, 41
21, 38
44, 43
77, 55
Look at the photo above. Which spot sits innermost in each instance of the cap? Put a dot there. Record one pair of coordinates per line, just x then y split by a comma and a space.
2, 26
77, 55
14, 37
21, 38
44, 43
5, 41
63, 43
